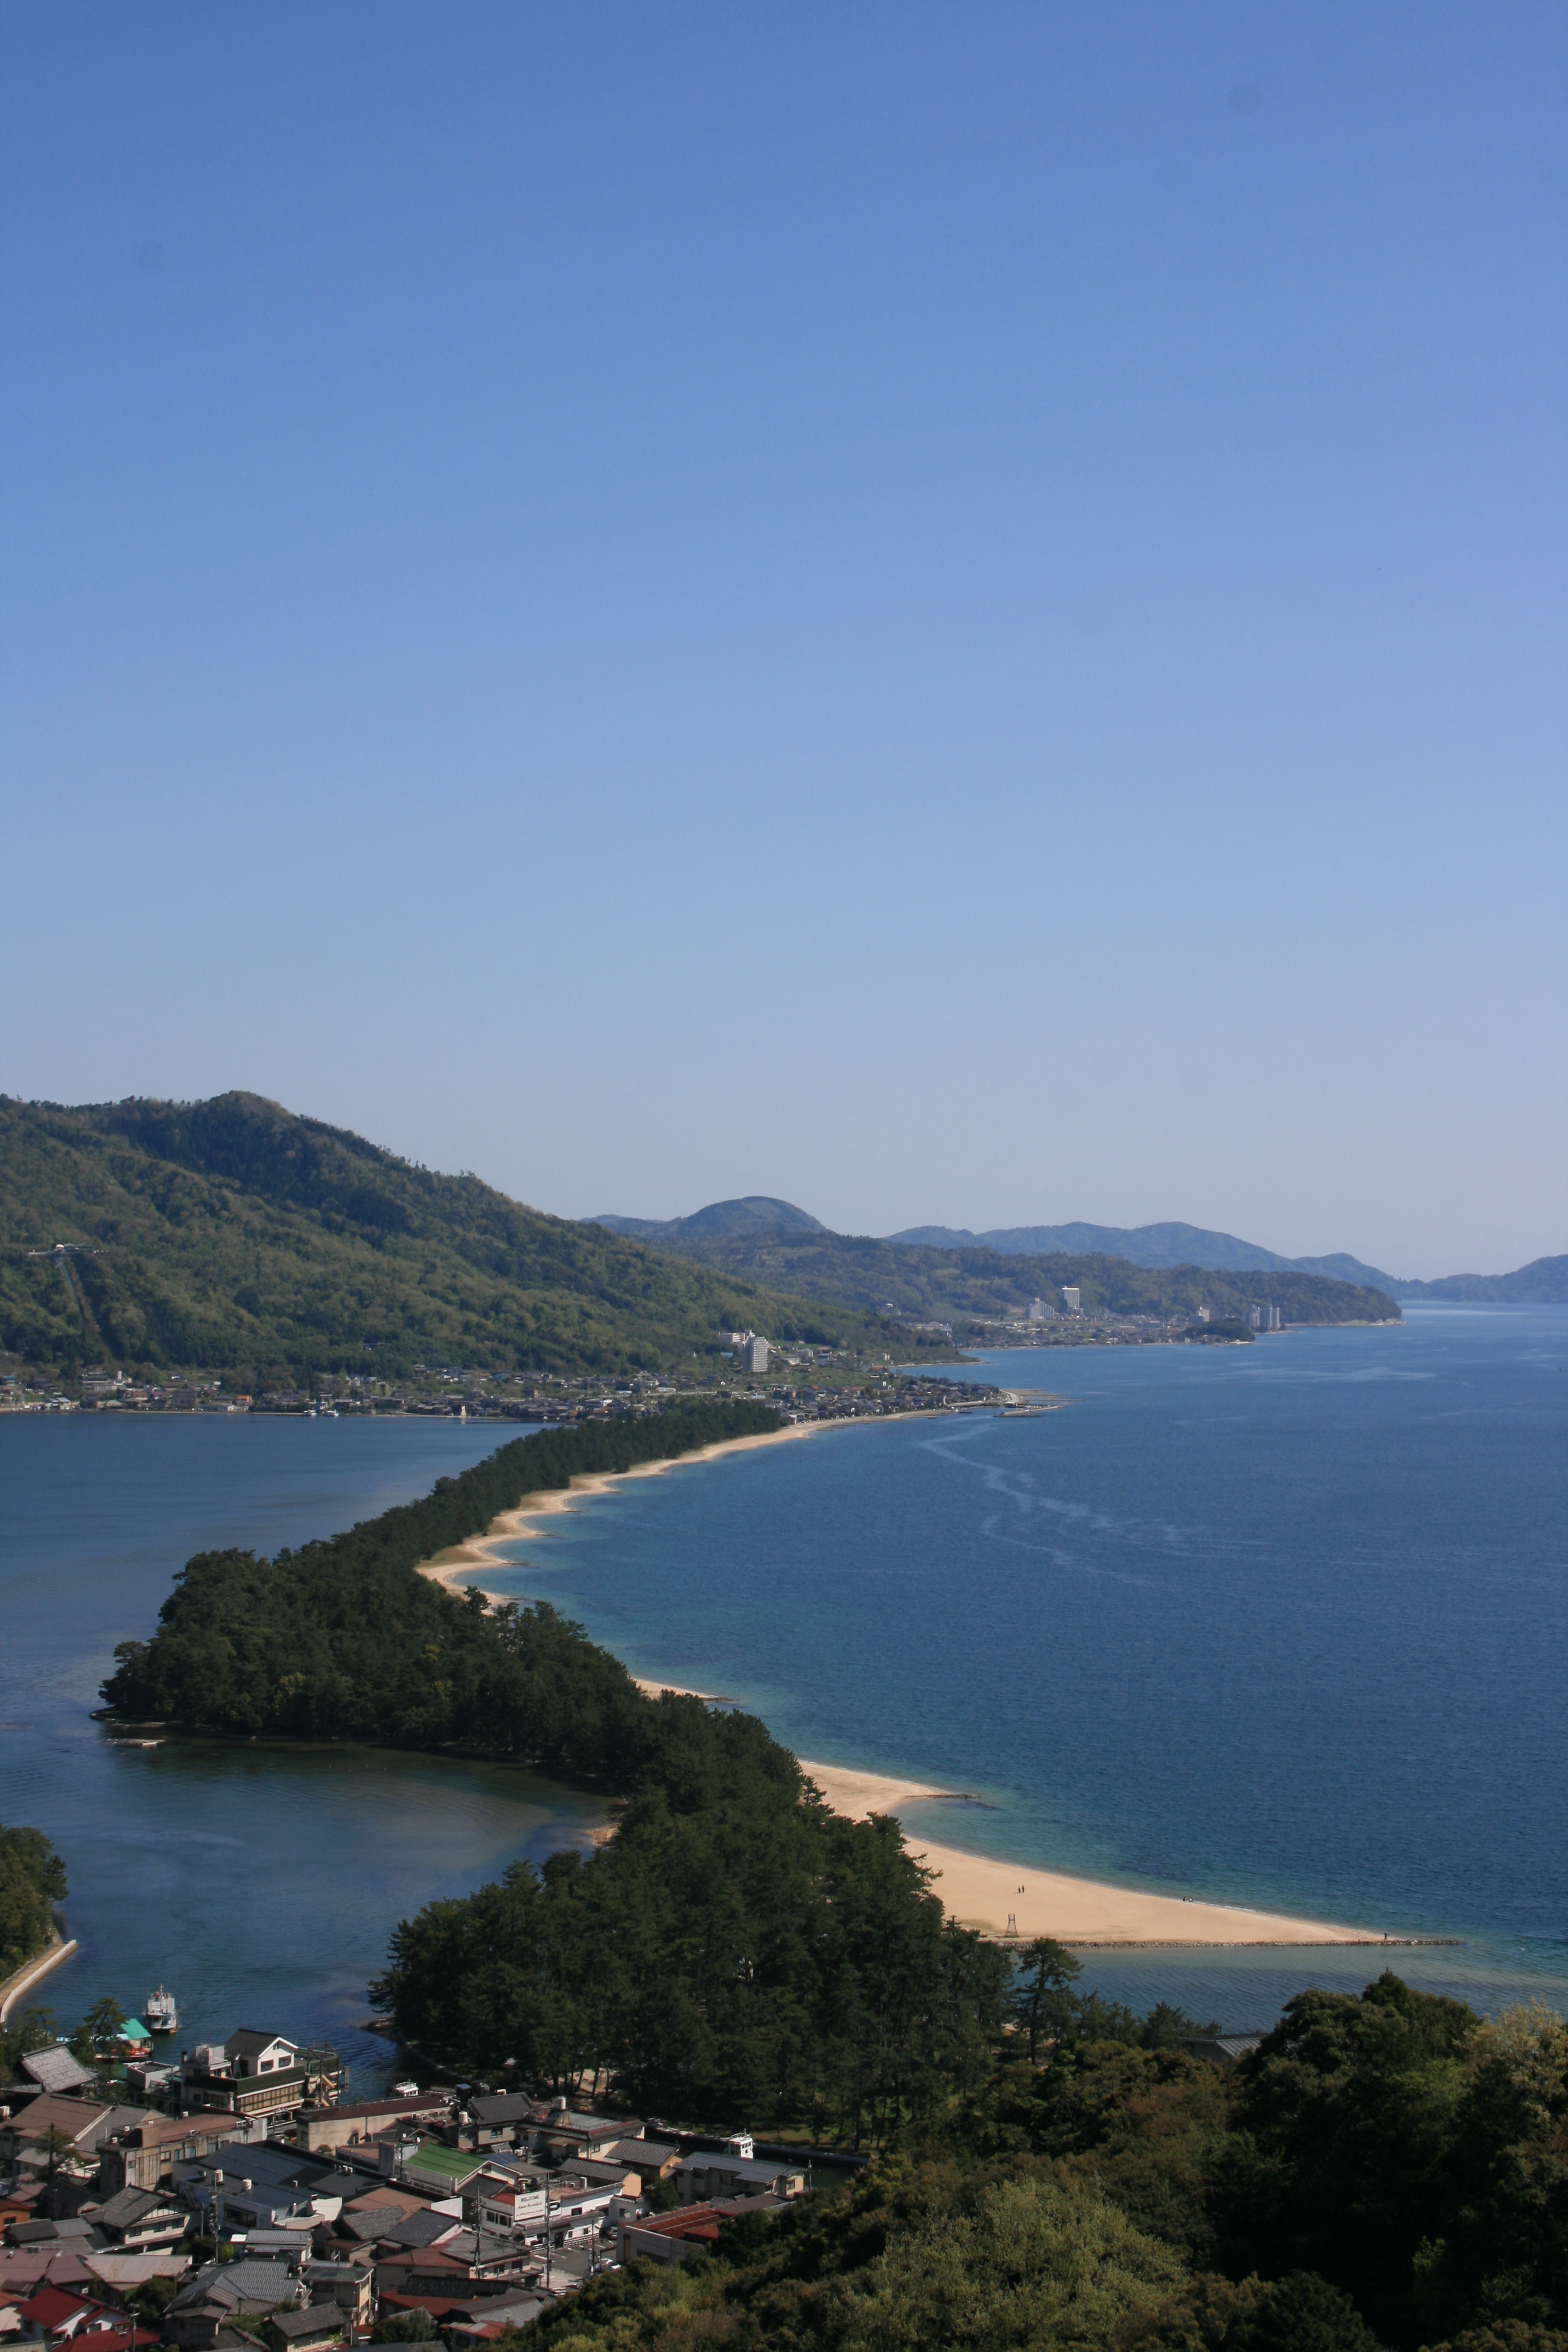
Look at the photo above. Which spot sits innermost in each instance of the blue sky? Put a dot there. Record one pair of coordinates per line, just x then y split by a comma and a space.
955, 613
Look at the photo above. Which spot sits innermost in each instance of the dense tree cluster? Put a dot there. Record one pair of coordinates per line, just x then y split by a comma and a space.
1388, 2171
737, 1952
343, 1639
32, 1881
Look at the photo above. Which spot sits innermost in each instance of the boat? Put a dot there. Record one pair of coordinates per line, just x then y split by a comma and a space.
163, 2012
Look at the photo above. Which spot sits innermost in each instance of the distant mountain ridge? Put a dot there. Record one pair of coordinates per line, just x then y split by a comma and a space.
1155, 1246
759, 1219
765, 1240
1542, 1283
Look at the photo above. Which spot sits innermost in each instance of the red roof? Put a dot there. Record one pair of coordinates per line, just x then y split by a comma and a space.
51, 2307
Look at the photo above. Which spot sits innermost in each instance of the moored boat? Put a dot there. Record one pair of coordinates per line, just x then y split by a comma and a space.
163, 2012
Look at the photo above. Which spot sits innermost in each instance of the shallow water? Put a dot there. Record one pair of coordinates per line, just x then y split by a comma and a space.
260, 1884
1285, 1624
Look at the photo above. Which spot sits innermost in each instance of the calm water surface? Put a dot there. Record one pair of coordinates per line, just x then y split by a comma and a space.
260, 1884
1286, 1625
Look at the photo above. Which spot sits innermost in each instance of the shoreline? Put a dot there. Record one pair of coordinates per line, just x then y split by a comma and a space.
1002, 1899
1087, 1913
545, 1502
31, 1972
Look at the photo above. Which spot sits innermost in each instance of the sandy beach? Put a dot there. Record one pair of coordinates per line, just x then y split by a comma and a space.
1006, 1898
1001, 1898
454, 1569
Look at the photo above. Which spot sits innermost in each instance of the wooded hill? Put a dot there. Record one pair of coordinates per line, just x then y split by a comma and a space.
769, 1242
232, 1236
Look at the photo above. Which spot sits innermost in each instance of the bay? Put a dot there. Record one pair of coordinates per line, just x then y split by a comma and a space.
259, 1884
1283, 1625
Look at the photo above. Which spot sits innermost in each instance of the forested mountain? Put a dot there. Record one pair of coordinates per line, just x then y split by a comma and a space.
757, 1217
232, 1234
1542, 1283
1156, 1246
765, 1241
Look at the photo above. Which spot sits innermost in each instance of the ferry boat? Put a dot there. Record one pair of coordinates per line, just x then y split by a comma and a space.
163, 2012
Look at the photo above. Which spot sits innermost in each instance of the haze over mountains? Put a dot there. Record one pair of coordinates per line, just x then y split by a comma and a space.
758, 1218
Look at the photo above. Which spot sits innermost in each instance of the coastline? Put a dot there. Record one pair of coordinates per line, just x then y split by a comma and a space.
1002, 1899
457, 1563
978, 1891
31, 1972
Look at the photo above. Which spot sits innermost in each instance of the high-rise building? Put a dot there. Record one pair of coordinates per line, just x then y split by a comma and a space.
754, 1356
1040, 1313
1070, 1293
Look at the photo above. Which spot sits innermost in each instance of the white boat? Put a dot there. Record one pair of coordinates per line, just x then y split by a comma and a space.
163, 2012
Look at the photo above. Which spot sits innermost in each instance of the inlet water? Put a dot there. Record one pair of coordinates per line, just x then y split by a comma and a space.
259, 1884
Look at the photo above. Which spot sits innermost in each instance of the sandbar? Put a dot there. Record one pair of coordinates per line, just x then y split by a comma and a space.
1002, 1899
449, 1569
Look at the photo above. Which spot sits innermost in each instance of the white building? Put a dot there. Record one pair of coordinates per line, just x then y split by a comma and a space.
1040, 1313
1070, 1293
754, 1356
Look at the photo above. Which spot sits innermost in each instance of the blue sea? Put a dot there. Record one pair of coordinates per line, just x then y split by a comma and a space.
1285, 1624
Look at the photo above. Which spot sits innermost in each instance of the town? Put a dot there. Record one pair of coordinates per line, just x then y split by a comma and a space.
237, 2199
802, 1383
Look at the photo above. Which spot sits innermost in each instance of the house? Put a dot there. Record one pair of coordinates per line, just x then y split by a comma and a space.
348, 2126
119, 2276
25, 2268
499, 2117
55, 2069
255, 2074
672, 2237
428, 2165
261, 2187
56, 2319
654, 2159
706, 2179
507, 2207
141, 2219
1222, 2049
486, 2320
562, 2135
349, 2285
144, 2155
304, 2331
81, 2121
221, 2293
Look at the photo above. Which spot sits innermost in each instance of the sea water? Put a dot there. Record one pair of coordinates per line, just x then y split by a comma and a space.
259, 1883
1283, 1624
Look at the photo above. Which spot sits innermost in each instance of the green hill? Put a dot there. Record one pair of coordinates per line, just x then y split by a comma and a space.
231, 1235
1542, 1283
790, 1253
